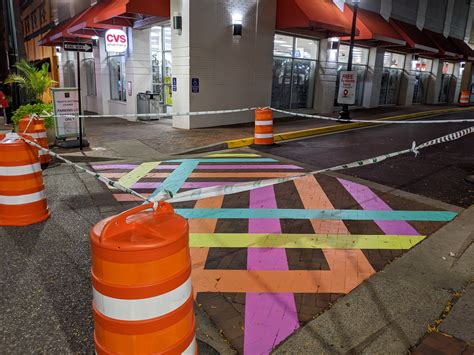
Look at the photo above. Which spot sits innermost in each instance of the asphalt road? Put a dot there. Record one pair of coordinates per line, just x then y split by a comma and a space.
438, 172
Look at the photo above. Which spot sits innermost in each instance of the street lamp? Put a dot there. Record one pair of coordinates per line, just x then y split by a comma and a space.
344, 113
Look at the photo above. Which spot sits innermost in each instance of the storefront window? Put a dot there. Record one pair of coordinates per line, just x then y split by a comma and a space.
360, 58
393, 60
360, 55
160, 44
89, 65
69, 74
117, 78
422, 68
393, 64
447, 81
294, 66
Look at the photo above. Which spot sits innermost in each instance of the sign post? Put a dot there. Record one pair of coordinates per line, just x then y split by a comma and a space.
79, 47
347, 87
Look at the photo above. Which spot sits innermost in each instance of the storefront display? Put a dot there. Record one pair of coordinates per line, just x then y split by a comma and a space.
422, 68
391, 77
160, 45
294, 66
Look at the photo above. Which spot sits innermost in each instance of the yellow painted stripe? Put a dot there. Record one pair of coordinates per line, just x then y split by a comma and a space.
306, 241
237, 143
136, 174
235, 155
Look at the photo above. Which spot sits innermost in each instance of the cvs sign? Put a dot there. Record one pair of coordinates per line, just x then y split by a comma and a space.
115, 41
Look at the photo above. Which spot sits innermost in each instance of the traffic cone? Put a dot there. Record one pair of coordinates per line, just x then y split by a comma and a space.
37, 130
263, 126
141, 278
22, 195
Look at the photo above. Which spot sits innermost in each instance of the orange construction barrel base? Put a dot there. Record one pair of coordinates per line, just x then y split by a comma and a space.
112, 336
24, 215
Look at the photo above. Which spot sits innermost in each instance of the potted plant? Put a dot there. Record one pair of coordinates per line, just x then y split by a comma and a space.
35, 83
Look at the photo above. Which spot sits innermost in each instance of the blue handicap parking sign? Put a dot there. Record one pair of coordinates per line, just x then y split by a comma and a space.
175, 84
195, 85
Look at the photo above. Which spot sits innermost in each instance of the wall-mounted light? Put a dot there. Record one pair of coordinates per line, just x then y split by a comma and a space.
237, 25
177, 23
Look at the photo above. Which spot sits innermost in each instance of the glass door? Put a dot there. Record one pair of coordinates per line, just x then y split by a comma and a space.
390, 86
281, 83
303, 84
445, 88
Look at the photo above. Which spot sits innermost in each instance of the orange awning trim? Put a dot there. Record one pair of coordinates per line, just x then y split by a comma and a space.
414, 38
125, 12
373, 27
85, 23
314, 15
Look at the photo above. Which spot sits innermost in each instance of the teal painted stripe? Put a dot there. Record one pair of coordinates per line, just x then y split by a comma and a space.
177, 178
224, 160
365, 215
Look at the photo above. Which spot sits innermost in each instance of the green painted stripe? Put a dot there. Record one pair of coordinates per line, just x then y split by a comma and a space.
136, 174
356, 215
306, 241
177, 178
234, 155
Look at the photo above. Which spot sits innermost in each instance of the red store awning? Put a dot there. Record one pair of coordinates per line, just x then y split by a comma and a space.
415, 39
320, 16
445, 46
126, 12
373, 27
464, 48
57, 35
85, 24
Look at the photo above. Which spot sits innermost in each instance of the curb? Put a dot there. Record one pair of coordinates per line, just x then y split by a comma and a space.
280, 137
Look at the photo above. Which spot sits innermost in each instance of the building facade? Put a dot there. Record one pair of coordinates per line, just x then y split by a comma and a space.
286, 54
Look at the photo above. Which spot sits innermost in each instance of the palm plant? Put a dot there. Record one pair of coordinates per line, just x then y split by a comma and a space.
35, 82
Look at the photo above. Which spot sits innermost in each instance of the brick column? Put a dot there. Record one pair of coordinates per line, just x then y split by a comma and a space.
373, 78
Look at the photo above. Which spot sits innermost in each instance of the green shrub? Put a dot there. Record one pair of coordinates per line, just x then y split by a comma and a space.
42, 110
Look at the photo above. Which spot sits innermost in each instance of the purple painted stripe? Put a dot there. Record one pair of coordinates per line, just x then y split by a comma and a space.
269, 317
186, 185
249, 166
114, 166
204, 167
368, 200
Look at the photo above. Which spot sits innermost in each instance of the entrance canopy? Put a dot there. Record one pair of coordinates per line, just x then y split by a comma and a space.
445, 46
85, 24
57, 35
310, 16
373, 27
464, 48
415, 39
127, 12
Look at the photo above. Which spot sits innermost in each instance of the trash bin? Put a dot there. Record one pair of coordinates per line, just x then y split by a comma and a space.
148, 102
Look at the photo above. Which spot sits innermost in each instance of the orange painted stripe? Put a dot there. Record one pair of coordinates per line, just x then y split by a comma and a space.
199, 255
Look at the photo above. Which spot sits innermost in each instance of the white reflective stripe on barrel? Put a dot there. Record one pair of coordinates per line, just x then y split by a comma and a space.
264, 123
22, 199
191, 349
38, 135
142, 309
43, 152
262, 135
19, 170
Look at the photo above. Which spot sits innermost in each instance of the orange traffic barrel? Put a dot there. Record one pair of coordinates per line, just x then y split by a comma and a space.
22, 195
263, 126
141, 278
464, 99
37, 130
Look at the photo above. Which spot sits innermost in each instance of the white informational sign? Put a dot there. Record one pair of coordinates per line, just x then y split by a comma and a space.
115, 41
66, 103
347, 87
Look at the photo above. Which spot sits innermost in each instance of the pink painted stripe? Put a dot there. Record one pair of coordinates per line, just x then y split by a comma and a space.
203, 167
269, 317
368, 200
186, 185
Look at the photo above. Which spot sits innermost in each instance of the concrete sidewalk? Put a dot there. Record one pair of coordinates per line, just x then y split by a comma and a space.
391, 312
